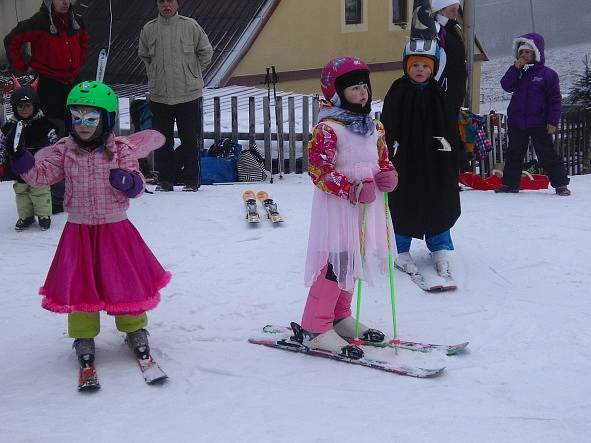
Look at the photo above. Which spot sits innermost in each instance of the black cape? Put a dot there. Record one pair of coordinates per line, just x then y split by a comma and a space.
453, 82
426, 201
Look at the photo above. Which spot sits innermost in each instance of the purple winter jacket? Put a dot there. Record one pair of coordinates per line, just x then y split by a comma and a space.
536, 99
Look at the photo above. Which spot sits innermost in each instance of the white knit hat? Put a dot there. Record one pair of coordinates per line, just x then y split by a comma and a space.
523, 46
52, 27
438, 5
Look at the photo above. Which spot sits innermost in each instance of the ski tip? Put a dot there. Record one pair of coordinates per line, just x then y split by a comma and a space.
248, 194
262, 195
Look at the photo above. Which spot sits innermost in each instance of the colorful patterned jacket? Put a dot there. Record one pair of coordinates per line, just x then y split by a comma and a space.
321, 155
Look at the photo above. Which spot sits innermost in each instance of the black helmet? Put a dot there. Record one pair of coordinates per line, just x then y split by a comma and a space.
25, 94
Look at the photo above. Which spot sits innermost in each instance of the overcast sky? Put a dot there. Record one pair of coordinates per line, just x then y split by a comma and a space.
561, 22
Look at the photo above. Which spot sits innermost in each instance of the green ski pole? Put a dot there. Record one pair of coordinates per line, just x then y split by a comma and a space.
395, 341
357, 340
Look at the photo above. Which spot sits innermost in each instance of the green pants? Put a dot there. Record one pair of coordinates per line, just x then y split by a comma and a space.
88, 325
32, 201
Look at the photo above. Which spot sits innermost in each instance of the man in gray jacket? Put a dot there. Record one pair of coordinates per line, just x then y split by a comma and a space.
175, 50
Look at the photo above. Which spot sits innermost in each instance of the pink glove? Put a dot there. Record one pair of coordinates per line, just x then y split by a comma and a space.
386, 181
364, 192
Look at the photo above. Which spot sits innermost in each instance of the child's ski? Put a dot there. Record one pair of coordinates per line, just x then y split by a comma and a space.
286, 342
427, 284
101, 65
88, 379
270, 206
151, 371
404, 344
252, 215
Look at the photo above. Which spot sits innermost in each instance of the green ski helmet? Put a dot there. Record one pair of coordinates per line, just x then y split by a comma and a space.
98, 95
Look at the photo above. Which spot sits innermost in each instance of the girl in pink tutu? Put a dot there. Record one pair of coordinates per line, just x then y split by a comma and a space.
349, 165
101, 262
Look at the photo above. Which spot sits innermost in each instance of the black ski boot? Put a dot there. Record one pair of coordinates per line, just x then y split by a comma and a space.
22, 224
84, 351
44, 222
138, 342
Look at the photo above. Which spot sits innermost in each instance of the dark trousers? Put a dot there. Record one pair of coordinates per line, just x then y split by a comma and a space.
53, 96
188, 118
547, 156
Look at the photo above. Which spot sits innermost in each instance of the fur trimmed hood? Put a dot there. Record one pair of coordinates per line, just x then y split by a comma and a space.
536, 41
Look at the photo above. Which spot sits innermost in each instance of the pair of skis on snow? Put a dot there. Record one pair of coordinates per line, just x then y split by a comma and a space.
281, 337
252, 214
150, 369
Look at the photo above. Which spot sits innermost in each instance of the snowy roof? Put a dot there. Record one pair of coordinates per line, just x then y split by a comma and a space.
231, 26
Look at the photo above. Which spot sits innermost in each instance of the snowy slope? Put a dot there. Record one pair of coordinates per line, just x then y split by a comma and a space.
522, 263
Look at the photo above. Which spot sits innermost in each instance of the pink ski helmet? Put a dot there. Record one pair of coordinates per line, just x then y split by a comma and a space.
336, 68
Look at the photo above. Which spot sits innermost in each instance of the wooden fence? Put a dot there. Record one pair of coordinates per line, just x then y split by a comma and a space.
572, 142
284, 128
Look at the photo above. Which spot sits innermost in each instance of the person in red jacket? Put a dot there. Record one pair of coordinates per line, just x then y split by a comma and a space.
58, 52
59, 43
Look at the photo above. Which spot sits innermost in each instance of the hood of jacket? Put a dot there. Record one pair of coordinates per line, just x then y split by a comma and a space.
536, 41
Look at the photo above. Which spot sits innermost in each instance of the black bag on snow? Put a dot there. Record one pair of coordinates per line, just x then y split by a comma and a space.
251, 166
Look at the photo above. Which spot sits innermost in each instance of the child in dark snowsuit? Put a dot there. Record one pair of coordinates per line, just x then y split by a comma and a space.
27, 126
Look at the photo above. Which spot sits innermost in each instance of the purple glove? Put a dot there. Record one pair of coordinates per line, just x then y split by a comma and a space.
386, 181
364, 192
128, 182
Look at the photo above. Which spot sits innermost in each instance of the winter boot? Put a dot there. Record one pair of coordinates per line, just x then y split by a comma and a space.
44, 222
345, 327
441, 259
165, 186
504, 189
190, 188
84, 351
405, 263
563, 191
138, 342
21, 224
332, 342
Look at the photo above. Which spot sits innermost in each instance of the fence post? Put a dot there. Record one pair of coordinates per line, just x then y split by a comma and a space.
251, 122
305, 131
279, 118
217, 125
267, 134
234, 101
315, 110
587, 141
292, 144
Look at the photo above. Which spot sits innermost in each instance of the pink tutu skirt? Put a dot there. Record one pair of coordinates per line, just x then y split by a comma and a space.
103, 267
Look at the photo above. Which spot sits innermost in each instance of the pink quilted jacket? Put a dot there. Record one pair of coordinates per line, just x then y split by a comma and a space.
89, 197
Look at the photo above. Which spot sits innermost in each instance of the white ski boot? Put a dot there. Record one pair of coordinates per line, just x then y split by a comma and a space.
345, 327
332, 342
441, 260
405, 263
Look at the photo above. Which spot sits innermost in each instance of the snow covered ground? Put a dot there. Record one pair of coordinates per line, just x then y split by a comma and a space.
567, 61
522, 263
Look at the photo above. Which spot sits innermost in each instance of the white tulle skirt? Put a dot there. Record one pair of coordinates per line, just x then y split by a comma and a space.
336, 237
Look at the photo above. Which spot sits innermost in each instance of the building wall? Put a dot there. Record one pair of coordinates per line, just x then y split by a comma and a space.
305, 34
8, 17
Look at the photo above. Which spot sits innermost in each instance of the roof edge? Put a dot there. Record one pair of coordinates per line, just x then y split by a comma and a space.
307, 74
221, 77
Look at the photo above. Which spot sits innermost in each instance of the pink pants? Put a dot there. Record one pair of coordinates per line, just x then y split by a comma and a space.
326, 303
